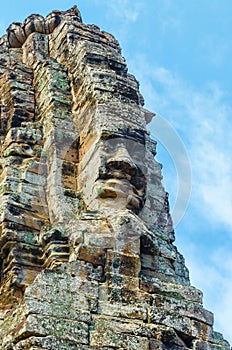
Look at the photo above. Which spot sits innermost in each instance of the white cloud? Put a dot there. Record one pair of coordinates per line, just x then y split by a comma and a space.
203, 118
169, 23
216, 57
125, 9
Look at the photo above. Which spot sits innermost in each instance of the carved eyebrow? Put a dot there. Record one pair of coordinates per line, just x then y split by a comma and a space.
130, 134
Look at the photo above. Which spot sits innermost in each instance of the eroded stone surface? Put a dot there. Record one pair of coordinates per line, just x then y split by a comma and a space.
86, 243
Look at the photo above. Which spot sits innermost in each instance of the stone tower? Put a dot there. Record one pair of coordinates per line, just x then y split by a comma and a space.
87, 259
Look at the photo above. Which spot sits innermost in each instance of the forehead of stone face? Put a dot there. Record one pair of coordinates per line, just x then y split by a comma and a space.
129, 147
126, 136
107, 143
132, 140
129, 144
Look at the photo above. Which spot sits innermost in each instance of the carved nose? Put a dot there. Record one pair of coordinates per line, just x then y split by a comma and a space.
121, 157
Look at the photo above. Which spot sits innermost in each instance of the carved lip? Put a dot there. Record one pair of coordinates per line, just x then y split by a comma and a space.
121, 183
132, 177
122, 188
120, 179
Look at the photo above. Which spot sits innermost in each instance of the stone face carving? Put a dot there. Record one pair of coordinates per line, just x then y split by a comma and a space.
119, 181
86, 243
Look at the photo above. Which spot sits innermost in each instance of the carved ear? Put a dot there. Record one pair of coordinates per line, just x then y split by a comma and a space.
148, 115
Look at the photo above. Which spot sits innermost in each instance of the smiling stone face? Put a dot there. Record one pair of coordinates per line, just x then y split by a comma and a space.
113, 173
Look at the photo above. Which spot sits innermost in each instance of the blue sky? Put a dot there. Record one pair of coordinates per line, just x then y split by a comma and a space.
180, 51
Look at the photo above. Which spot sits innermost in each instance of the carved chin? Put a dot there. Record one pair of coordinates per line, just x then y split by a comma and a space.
119, 193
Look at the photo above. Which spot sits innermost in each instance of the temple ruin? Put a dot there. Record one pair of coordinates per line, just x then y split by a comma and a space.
87, 259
